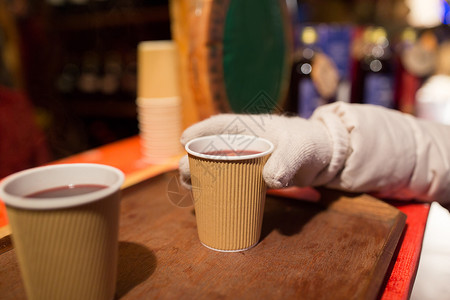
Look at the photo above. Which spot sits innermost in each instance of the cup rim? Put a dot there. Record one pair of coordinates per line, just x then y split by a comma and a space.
58, 202
229, 158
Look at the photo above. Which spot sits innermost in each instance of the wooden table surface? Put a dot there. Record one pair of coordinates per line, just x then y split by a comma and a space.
338, 248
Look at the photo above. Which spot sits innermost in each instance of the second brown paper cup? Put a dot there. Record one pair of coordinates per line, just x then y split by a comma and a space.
66, 247
228, 189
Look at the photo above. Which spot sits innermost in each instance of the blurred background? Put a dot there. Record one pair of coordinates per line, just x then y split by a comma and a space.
69, 68
75, 62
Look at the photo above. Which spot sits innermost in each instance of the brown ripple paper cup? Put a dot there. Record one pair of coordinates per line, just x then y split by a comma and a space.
67, 246
229, 191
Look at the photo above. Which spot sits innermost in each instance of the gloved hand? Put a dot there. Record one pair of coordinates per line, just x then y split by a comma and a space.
303, 152
351, 147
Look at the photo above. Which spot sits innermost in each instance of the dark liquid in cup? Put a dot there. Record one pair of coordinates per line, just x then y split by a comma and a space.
232, 152
67, 191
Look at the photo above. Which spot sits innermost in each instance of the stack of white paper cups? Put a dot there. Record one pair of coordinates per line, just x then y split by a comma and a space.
158, 102
160, 127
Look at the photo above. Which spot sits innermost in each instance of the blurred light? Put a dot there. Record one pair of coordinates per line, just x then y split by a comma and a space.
309, 35
425, 13
376, 65
308, 53
306, 69
378, 51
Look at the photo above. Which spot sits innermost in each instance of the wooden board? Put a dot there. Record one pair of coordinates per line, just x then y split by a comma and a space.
337, 248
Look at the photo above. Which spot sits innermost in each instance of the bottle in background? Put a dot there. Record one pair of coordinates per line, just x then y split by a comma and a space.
89, 80
303, 93
378, 83
335, 42
67, 80
313, 76
129, 76
406, 83
359, 51
112, 73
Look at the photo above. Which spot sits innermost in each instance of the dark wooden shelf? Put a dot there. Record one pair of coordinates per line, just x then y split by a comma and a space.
104, 108
112, 18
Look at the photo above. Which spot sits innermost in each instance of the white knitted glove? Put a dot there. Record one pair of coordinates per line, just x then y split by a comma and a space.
351, 147
303, 148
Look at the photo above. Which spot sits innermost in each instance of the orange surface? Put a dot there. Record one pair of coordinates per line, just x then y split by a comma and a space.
125, 155
3, 218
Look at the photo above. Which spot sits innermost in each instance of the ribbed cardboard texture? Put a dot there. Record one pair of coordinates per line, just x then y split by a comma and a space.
68, 253
229, 198
157, 69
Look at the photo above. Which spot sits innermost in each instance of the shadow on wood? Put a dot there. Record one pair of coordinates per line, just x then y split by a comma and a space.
136, 263
287, 216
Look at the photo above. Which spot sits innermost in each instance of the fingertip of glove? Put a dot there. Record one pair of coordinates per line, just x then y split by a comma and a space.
275, 173
272, 181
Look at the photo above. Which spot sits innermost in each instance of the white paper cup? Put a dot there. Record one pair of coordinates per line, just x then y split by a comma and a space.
160, 125
66, 246
158, 102
229, 191
158, 68
160, 141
